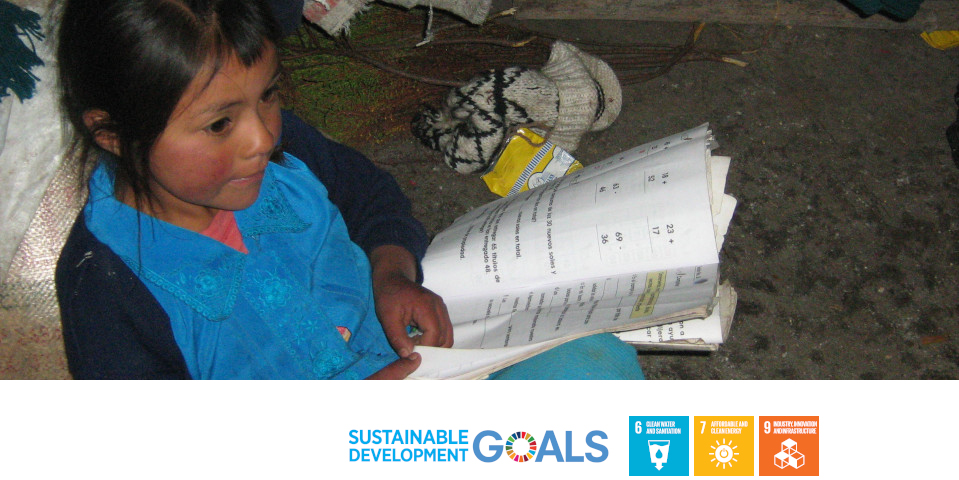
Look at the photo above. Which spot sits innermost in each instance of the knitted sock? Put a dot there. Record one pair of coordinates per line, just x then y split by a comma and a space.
590, 97
471, 126
578, 96
610, 94
573, 93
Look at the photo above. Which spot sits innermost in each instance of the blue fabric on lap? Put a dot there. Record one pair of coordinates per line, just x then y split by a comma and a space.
596, 357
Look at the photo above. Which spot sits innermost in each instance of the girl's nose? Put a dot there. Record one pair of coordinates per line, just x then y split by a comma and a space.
261, 136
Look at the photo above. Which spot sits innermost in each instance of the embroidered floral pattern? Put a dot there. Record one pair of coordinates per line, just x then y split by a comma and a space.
273, 290
273, 212
210, 289
291, 311
206, 284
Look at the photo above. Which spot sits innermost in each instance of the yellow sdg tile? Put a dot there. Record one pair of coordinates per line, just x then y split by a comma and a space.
723, 446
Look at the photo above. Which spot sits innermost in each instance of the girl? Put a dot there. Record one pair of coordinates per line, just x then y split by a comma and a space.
180, 101
202, 250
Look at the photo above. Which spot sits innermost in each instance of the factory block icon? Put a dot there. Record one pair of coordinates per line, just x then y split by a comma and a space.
789, 456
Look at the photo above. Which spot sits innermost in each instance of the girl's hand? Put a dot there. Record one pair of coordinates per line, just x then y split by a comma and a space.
399, 369
401, 302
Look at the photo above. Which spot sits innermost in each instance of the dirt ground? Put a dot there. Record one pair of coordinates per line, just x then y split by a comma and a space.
844, 247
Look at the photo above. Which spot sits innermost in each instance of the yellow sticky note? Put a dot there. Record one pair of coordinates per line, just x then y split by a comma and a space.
942, 39
655, 284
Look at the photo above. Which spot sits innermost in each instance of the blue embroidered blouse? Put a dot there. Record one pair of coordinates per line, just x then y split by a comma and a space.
271, 313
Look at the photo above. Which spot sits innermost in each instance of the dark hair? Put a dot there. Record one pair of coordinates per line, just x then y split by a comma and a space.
134, 59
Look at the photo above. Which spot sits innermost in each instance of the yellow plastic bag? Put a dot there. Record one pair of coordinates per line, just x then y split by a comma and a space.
528, 161
942, 39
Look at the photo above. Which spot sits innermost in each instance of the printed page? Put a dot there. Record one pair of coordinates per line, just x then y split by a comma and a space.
704, 330
623, 240
686, 333
710, 331
630, 217
608, 303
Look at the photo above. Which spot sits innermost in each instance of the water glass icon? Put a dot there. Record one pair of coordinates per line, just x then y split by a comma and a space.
658, 452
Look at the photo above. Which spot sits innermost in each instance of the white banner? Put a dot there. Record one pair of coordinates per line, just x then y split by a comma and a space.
464, 430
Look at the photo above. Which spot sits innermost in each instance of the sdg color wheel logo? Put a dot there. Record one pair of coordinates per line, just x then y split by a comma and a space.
521, 447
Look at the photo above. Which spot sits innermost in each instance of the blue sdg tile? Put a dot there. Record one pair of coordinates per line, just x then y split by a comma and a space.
659, 446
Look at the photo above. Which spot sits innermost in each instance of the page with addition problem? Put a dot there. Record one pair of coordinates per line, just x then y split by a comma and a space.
619, 243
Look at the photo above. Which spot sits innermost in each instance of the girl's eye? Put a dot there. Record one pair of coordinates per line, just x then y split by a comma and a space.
271, 94
219, 126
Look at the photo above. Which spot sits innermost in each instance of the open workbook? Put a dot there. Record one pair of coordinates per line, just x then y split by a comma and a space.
627, 245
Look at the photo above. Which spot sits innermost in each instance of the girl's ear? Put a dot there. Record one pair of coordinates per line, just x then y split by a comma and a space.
96, 121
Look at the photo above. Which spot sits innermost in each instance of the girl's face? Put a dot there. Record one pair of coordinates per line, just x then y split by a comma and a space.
212, 154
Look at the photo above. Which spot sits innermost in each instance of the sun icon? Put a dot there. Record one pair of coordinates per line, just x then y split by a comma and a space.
724, 453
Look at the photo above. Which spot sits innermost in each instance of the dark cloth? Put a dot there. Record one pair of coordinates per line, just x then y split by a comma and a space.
288, 13
899, 9
113, 327
374, 208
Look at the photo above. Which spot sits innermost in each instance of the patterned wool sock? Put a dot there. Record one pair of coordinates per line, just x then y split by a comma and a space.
471, 126
573, 93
